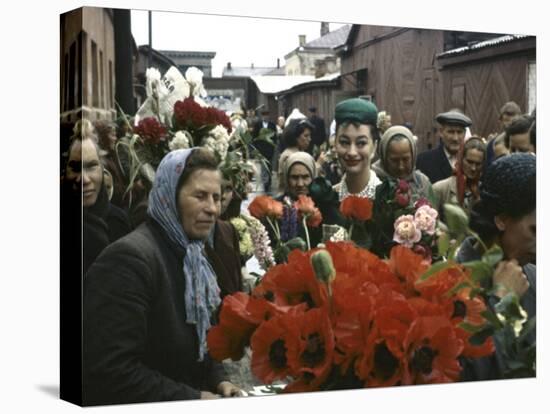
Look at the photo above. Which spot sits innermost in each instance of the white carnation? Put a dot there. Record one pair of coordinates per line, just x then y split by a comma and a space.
180, 141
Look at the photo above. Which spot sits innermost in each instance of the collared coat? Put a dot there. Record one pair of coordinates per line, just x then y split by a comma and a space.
138, 346
434, 164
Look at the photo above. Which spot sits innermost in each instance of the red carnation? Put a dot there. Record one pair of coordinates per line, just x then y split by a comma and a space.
151, 130
189, 114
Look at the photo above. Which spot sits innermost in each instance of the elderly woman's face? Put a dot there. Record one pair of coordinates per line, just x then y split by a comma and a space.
199, 203
354, 146
399, 158
299, 179
472, 163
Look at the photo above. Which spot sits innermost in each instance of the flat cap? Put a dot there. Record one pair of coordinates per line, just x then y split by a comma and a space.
453, 118
356, 110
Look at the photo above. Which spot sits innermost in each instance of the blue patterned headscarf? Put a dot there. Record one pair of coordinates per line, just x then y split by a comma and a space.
202, 294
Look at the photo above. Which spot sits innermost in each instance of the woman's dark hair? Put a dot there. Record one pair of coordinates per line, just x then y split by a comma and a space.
293, 130
520, 125
374, 132
508, 187
199, 159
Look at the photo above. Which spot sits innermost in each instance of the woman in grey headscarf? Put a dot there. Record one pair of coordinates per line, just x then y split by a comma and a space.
397, 151
298, 171
150, 297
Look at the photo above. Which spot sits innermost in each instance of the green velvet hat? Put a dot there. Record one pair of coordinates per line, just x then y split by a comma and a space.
356, 110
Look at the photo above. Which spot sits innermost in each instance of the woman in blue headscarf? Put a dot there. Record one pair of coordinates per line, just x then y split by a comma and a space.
149, 298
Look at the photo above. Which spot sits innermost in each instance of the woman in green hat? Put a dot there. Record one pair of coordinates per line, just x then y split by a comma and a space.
356, 139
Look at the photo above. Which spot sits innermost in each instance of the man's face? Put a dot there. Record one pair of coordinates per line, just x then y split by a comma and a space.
452, 136
521, 143
399, 158
472, 163
84, 171
299, 179
507, 118
519, 238
199, 203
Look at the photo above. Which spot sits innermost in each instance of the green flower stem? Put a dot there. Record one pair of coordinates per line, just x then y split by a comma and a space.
307, 232
475, 235
275, 228
351, 230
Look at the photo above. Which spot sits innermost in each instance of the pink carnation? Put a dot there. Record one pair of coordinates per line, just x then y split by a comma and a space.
406, 232
425, 219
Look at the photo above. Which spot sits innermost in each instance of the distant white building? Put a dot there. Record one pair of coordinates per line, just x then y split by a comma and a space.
318, 57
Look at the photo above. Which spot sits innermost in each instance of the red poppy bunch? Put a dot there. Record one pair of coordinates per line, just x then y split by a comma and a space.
188, 114
375, 321
151, 130
265, 206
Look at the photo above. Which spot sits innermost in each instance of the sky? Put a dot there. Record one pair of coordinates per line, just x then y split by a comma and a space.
239, 40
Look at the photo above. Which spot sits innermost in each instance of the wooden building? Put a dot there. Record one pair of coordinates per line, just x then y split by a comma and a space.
481, 77
87, 64
397, 68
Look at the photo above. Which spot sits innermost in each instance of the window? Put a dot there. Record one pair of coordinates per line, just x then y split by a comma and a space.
95, 80
101, 81
72, 76
531, 86
111, 101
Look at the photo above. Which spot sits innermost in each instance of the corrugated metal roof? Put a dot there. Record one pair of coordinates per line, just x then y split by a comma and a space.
481, 45
331, 39
275, 84
246, 71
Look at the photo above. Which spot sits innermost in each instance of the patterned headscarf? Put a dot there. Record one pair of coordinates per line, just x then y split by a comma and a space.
202, 294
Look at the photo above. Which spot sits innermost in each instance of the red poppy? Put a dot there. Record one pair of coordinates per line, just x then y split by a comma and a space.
316, 344
151, 130
357, 208
407, 266
315, 219
487, 348
263, 206
383, 363
275, 348
432, 349
305, 205
463, 308
232, 334
293, 283
435, 287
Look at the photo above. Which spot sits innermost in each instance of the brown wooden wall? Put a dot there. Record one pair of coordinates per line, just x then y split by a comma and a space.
480, 88
323, 98
401, 76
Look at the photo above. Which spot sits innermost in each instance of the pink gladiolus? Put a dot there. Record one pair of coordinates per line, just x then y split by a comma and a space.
425, 219
406, 232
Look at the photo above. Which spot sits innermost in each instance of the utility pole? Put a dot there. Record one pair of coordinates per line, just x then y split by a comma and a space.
150, 55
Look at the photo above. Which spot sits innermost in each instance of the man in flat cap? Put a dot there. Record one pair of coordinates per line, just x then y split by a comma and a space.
438, 163
319, 133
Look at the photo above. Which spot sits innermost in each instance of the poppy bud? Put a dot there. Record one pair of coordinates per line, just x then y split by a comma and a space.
323, 266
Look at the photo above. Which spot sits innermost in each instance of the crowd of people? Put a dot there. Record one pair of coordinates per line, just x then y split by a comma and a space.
159, 259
